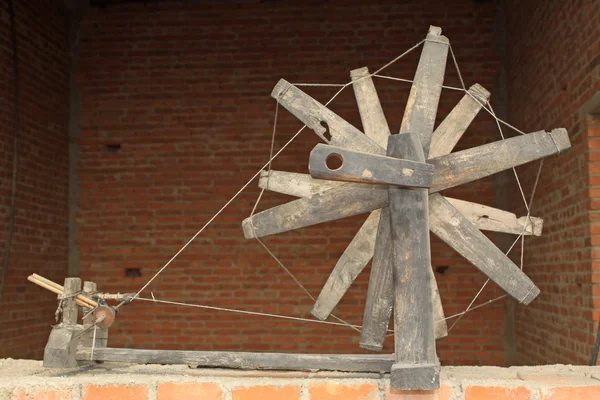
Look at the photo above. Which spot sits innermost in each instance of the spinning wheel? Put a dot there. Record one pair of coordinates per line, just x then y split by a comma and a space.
398, 180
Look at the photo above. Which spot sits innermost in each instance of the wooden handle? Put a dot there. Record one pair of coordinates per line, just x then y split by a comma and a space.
53, 289
79, 297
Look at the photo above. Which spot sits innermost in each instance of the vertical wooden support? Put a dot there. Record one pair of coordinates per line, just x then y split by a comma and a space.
61, 348
94, 336
416, 365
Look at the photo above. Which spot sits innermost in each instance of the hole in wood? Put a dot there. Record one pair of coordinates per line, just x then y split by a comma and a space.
133, 272
113, 148
326, 134
334, 161
441, 269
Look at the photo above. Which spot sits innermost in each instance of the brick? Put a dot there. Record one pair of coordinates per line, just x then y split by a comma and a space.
443, 393
266, 393
115, 392
335, 391
571, 393
43, 394
497, 393
189, 391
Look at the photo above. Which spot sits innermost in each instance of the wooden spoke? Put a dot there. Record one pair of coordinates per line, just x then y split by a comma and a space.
337, 131
455, 229
478, 162
329, 162
449, 132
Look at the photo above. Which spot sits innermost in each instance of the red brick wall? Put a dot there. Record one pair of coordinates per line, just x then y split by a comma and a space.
184, 89
553, 72
40, 232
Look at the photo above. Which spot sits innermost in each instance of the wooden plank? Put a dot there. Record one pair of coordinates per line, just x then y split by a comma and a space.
451, 129
487, 218
354, 259
422, 104
414, 339
312, 113
355, 166
371, 114
455, 229
380, 292
70, 309
478, 162
245, 360
321, 207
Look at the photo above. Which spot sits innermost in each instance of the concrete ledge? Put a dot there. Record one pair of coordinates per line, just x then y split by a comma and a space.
26, 379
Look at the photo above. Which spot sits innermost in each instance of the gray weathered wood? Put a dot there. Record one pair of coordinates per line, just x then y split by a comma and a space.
478, 162
313, 114
422, 104
321, 207
380, 292
368, 168
451, 129
70, 310
371, 114
487, 218
414, 339
460, 234
351, 263
244, 360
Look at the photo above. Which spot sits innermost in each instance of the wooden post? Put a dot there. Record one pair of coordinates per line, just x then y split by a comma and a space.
416, 365
99, 334
61, 348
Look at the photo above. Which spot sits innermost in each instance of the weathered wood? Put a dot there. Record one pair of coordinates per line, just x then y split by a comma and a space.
414, 339
351, 263
313, 114
478, 162
460, 234
492, 219
451, 129
244, 360
322, 207
367, 168
70, 310
371, 114
380, 292
298, 185
422, 104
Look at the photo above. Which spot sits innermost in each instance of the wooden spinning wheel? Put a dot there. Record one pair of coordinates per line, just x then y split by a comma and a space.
398, 179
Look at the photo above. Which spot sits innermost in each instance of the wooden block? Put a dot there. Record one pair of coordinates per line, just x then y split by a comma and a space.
313, 114
354, 259
94, 336
414, 339
415, 376
478, 162
334, 163
460, 234
451, 129
61, 349
422, 105
371, 114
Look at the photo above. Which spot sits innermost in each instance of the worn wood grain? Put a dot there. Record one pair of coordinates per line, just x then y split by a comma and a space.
487, 218
313, 114
458, 232
451, 129
373, 119
368, 168
321, 207
478, 162
245, 360
350, 264
422, 105
414, 338
380, 292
